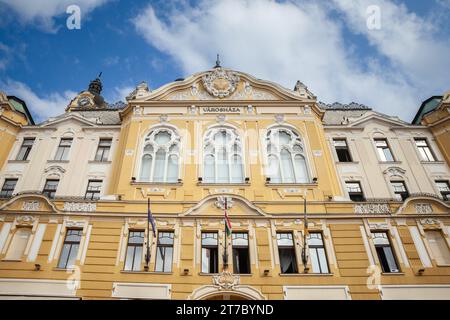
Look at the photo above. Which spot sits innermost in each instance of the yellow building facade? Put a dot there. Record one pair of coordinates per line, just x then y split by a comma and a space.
219, 140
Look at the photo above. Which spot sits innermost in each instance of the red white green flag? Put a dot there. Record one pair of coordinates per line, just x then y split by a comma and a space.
227, 220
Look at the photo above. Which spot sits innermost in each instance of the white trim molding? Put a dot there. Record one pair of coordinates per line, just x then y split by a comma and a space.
124, 290
316, 293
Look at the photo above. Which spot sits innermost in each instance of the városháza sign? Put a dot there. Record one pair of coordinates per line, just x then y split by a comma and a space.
221, 109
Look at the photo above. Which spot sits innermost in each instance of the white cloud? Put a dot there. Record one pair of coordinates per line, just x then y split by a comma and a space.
284, 42
42, 13
41, 107
119, 93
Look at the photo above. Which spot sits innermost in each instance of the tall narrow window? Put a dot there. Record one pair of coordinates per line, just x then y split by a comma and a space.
63, 149
384, 152
210, 252
93, 190
164, 252
400, 190
444, 188
286, 251
8, 188
222, 152
18, 244
439, 247
241, 256
104, 146
385, 252
424, 150
70, 249
317, 253
25, 149
134, 251
50, 188
286, 157
354, 191
160, 156
342, 150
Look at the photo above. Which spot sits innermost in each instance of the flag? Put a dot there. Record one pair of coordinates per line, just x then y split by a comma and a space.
227, 220
150, 218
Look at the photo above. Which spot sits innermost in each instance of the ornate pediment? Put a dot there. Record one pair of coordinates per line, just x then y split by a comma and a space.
222, 84
29, 203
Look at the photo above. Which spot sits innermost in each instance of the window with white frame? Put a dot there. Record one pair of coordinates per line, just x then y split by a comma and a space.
317, 253
439, 247
62, 154
384, 152
286, 157
222, 154
160, 156
444, 188
424, 149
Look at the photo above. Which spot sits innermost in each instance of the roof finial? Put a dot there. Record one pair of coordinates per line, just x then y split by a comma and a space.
217, 62
100, 74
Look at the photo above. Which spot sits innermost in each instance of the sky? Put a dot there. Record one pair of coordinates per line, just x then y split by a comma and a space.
387, 54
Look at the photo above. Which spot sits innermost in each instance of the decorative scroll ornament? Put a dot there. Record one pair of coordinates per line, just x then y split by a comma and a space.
31, 206
220, 83
220, 203
423, 208
25, 220
226, 280
372, 208
80, 207
430, 221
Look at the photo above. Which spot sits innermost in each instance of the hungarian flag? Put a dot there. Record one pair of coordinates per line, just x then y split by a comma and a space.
227, 220
150, 218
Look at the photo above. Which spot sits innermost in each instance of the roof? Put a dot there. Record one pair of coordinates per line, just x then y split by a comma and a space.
20, 106
95, 116
427, 106
341, 106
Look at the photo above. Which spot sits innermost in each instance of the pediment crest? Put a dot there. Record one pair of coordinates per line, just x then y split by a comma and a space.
220, 83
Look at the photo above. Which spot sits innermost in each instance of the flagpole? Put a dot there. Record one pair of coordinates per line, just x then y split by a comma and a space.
305, 230
147, 255
225, 254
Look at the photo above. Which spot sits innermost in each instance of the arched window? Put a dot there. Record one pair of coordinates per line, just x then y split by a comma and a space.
222, 154
160, 156
286, 157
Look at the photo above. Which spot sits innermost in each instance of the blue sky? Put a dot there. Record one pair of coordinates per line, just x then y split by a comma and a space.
326, 45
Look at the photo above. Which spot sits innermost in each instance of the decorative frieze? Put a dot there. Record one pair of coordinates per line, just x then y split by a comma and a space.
25, 220
220, 202
80, 206
372, 208
226, 280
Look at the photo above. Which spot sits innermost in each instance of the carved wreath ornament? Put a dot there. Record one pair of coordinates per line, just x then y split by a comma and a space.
220, 83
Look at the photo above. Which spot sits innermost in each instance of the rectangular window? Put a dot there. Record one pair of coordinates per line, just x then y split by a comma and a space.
164, 252
134, 250
385, 252
424, 150
50, 188
444, 188
439, 247
241, 255
25, 149
286, 251
317, 253
70, 248
93, 190
8, 188
401, 193
63, 149
384, 152
18, 244
210, 252
342, 150
354, 191
103, 150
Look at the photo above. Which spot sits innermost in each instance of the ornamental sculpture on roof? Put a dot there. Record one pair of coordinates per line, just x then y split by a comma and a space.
220, 83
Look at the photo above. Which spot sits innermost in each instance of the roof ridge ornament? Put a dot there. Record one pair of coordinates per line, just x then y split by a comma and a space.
217, 63
220, 83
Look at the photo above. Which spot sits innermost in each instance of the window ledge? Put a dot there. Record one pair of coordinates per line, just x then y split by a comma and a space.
207, 274
432, 162
443, 265
392, 273
389, 162
212, 184
99, 162
64, 269
306, 274
307, 184
138, 183
145, 272
18, 161
347, 162
11, 260
57, 161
